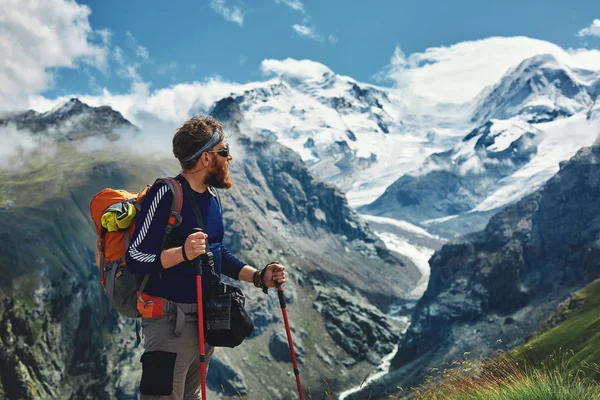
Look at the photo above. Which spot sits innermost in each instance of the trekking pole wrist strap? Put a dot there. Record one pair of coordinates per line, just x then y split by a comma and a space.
265, 288
183, 253
256, 279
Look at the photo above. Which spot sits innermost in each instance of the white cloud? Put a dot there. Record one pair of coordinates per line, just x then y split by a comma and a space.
592, 30
231, 14
171, 105
105, 35
126, 69
293, 4
303, 29
165, 69
296, 71
158, 113
457, 74
38, 36
308, 32
17, 147
140, 51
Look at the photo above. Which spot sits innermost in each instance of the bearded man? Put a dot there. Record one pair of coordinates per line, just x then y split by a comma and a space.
171, 361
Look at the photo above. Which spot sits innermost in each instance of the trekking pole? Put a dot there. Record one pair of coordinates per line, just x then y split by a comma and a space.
198, 265
289, 338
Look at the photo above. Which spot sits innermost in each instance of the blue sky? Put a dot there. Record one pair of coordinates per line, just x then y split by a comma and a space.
186, 41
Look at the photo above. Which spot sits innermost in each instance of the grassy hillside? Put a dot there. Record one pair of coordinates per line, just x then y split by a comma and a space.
560, 361
573, 332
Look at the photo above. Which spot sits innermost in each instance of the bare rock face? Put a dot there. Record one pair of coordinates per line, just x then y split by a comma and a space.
280, 349
357, 326
225, 379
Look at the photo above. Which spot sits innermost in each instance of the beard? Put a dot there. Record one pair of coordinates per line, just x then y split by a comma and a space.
219, 177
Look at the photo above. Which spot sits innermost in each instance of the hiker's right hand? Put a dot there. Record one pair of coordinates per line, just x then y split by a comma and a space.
195, 245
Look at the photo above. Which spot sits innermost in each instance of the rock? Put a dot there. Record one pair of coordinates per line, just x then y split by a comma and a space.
354, 324
223, 378
280, 349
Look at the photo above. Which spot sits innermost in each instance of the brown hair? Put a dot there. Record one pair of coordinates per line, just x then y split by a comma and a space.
191, 136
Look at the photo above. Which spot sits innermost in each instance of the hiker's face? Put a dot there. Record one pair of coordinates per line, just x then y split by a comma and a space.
218, 174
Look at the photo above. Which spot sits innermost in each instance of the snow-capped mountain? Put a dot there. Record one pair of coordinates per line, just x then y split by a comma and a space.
349, 133
455, 181
540, 89
71, 120
539, 115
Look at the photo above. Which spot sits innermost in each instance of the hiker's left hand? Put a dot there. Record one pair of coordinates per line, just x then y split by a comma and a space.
274, 273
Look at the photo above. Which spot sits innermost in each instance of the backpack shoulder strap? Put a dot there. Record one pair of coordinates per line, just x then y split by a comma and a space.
176, 204
215, 193
173, 221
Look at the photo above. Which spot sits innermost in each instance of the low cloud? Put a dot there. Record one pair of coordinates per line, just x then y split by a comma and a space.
40, 36
230, 13
296, 71
592, 30
18, 147
166, 107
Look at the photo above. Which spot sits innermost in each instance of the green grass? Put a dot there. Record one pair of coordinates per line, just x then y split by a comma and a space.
67, 169
578, 336
503, 378
561, 361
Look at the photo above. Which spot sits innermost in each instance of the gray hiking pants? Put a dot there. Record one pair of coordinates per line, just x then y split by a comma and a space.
171, 364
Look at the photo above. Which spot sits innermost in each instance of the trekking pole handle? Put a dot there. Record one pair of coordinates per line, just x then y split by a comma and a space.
280, 294
198, 260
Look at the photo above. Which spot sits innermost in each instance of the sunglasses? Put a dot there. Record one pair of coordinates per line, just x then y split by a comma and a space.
223, 151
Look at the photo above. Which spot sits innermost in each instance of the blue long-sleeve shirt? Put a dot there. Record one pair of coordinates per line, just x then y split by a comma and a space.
177, 283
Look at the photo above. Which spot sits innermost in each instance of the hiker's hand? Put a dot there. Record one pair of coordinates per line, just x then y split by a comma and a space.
274, 273
195, 245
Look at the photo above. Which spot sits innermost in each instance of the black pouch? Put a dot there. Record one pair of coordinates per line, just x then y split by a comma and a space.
158, 372
226, 322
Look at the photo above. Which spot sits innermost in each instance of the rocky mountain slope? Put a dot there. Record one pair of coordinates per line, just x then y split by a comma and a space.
492, 289
538, 115
53, 344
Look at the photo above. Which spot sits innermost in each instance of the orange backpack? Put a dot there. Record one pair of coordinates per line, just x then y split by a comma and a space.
119, 284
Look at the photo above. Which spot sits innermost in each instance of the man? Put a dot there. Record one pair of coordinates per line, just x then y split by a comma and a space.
171, 361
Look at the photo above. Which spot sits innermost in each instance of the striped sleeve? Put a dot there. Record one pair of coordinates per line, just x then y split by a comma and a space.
143, 255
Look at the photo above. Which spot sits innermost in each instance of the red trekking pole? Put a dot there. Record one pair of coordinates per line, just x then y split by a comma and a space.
289, 338
198, 265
